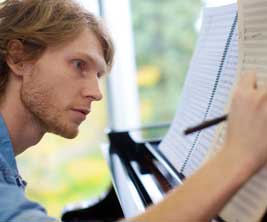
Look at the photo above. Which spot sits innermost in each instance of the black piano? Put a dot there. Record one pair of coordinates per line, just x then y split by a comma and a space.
141, 176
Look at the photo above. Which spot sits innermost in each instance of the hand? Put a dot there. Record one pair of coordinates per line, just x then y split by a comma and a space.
247, 122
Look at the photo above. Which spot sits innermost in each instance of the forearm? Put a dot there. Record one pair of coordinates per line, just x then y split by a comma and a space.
204, 194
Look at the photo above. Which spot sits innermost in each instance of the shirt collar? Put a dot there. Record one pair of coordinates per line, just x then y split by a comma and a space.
6, 147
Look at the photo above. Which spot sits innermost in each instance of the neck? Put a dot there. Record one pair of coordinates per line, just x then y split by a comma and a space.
23, 132
23, 127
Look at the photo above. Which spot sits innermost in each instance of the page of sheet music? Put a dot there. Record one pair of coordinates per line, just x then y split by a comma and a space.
199, 84
250, 203
221, 97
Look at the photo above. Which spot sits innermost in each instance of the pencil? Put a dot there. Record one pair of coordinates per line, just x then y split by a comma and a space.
205, 124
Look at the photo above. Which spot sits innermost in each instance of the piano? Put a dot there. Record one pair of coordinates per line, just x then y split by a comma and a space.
141, 176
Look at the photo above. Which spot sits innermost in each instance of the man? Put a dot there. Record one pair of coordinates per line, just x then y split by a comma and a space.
52, 54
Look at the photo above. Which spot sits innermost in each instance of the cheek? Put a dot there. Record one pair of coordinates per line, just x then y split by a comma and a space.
63, 94
41, 94
59, 82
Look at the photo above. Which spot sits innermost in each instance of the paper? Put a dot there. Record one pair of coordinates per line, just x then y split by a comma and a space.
250, 203
221, 98
200, 84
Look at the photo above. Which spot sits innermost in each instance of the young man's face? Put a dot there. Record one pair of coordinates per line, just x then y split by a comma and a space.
64, 83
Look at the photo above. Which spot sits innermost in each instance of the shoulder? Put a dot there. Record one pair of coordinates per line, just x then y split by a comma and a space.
14, 205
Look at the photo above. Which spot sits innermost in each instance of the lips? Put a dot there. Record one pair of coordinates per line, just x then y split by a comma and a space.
83, 111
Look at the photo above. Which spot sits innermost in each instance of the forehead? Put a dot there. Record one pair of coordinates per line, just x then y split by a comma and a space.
85, 45
87, 41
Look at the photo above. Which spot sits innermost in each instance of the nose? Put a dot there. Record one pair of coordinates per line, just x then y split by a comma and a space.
92, 90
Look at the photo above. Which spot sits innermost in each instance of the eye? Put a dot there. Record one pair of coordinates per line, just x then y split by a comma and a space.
79, 65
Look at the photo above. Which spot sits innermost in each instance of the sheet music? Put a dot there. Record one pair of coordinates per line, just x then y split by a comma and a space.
250, 203
221, 97
199, 84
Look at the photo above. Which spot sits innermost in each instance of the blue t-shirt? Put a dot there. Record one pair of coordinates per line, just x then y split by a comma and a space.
14, 206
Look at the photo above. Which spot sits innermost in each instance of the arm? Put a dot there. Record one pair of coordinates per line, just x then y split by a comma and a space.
204, 194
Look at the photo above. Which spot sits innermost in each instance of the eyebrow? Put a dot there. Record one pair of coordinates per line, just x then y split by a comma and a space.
96, 60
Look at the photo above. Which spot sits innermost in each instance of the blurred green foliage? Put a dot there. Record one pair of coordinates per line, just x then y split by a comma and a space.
165, 35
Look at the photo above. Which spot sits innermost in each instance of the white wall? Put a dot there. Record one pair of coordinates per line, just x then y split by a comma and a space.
213, 3
91, 5
122, 84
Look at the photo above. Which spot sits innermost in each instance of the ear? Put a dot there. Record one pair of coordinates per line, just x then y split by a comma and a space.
16, 58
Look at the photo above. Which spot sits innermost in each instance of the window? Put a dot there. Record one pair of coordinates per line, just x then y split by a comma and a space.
165, 34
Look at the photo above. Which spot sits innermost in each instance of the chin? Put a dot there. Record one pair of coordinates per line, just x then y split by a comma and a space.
66, 132
67, 135
70, 133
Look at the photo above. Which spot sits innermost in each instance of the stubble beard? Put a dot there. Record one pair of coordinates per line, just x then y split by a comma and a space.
40, 102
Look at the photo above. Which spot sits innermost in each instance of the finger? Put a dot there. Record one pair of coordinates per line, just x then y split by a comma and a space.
248, 80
